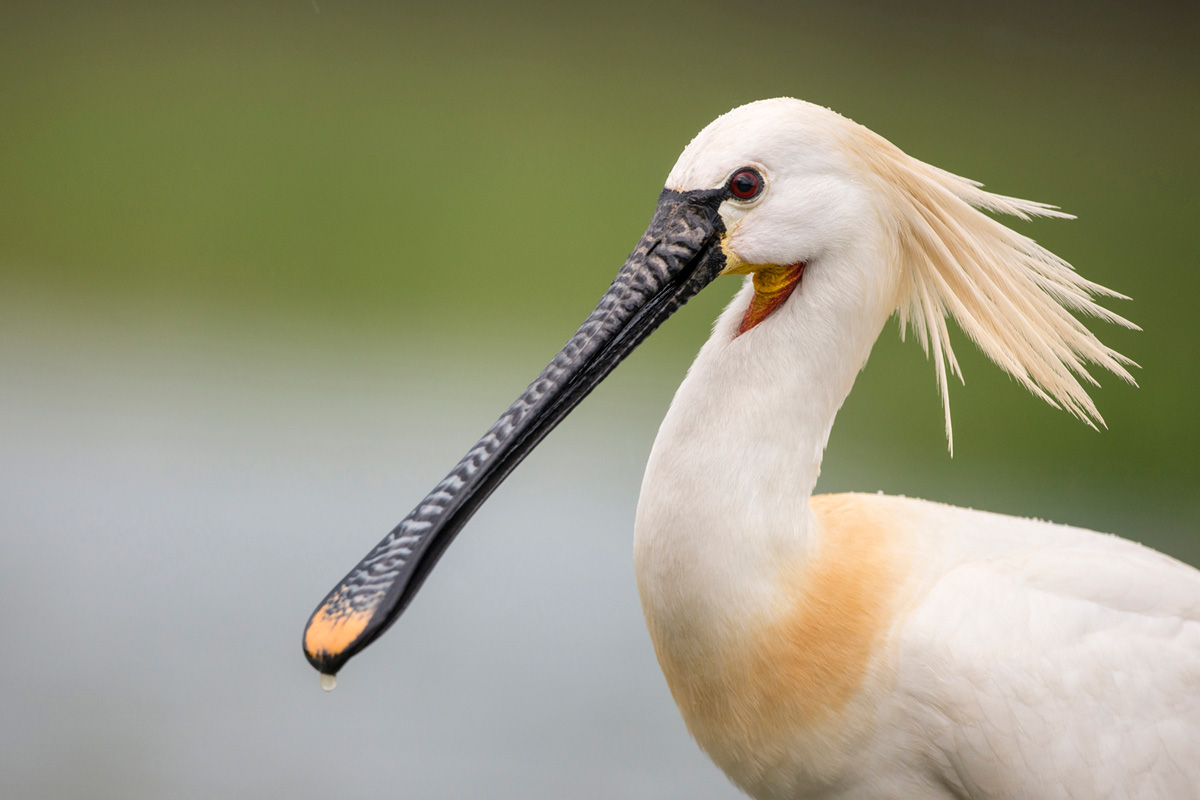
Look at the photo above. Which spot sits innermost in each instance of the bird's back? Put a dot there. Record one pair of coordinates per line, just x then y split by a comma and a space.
1041, 661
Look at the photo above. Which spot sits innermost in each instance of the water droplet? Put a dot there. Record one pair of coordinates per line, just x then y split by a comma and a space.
328, 682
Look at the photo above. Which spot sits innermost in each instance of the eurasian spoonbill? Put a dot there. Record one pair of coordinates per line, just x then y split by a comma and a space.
849, 645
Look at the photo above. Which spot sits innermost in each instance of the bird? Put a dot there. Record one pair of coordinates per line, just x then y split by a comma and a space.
850, 645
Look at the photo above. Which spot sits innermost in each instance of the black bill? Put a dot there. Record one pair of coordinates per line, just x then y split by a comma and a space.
678, 256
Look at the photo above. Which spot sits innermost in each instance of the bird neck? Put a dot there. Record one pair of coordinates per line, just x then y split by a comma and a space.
724, 500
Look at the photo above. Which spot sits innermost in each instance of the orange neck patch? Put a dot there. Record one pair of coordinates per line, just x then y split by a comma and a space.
772, 285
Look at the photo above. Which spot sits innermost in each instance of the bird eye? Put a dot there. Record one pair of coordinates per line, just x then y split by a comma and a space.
745, 184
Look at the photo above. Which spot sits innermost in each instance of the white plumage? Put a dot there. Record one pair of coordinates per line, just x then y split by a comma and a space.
878, 647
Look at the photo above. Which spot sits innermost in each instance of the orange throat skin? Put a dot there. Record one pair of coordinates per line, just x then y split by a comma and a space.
772, 286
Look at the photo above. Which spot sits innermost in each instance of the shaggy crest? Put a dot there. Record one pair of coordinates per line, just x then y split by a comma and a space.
1011, 296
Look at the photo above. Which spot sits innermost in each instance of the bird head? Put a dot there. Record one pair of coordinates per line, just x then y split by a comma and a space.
793, 191
814, 197
796, 202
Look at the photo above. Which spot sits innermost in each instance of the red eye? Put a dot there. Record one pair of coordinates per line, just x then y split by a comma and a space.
745, 184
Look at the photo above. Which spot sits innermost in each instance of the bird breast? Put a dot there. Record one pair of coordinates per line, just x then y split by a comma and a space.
785, 693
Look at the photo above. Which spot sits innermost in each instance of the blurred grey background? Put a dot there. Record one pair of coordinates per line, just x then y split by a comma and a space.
268, 269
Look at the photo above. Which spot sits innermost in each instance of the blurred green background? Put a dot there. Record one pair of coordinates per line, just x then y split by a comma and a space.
265, 244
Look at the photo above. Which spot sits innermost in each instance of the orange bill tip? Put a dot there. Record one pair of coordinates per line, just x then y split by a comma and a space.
329, 634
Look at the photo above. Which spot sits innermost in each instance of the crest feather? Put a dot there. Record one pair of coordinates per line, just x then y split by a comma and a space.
1010, 295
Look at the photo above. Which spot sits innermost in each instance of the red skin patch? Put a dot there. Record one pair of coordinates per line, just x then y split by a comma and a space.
772, 286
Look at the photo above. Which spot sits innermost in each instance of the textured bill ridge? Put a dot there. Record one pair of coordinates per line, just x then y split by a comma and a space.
674, 259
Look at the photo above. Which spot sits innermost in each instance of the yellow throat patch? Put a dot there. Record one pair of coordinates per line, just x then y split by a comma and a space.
773, 284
